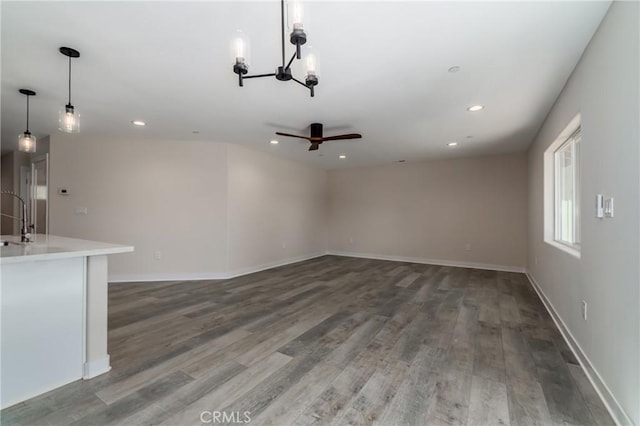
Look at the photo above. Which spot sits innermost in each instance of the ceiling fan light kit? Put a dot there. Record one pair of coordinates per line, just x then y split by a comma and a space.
283, 72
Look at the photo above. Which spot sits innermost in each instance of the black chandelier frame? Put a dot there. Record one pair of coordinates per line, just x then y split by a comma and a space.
283, 72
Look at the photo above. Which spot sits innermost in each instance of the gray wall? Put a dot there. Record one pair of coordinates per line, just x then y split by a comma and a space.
433, 211
604, 90
210, 209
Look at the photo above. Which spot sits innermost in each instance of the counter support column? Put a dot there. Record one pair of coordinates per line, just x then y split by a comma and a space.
97, 299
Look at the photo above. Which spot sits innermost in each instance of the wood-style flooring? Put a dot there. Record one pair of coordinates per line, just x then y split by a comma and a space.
333, 340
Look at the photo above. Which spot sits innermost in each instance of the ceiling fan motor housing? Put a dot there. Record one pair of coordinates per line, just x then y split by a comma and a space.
316, 130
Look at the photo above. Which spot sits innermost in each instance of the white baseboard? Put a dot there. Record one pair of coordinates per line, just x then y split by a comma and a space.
125, 278
96, 367
269, 265
210, 275
456, 263
610, 402
131, 278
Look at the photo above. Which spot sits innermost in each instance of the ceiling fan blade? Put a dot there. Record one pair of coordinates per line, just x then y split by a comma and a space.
292, 136
314, 147
339, 137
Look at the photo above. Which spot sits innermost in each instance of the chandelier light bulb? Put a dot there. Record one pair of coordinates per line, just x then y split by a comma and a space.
296, 10
240, 48
311, 64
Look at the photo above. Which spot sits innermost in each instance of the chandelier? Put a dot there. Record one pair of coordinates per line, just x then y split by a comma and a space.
240, 49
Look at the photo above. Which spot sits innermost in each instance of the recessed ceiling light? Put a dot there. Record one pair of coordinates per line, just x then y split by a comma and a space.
401, 161
196, 132
475, 108
274, 142
452, 144
469, 137
139, 123
342, 156
454, 69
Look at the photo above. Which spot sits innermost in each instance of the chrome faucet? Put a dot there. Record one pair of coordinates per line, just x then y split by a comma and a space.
25, 236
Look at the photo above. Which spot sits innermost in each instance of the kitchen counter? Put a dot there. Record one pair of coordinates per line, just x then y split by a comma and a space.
46, 247
54, 300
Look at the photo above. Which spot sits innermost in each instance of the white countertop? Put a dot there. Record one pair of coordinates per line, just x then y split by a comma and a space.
48, 247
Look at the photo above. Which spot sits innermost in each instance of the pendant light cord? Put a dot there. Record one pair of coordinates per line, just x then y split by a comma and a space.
69, 80
27, 113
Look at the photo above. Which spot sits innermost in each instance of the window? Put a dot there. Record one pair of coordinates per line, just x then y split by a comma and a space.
567, 192
562, 190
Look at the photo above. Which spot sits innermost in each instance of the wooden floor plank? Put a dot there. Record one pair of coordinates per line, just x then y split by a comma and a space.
488, 356
368, 406
121, 389
599, 413
229, 391
488, 404
527, 405
188, 394
415, 395
452, 392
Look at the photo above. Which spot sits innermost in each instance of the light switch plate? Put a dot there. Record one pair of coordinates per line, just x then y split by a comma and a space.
599, 206
608, 207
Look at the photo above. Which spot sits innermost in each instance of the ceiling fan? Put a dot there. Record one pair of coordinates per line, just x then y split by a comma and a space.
316, 137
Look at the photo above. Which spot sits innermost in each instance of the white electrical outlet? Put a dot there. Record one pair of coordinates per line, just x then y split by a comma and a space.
467, 247
584, 310
80, 210
535, 260
157, 255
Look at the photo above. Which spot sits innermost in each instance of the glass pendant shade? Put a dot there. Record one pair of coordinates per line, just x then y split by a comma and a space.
69, 119
310, 62
296, 14
27, 142
240, 48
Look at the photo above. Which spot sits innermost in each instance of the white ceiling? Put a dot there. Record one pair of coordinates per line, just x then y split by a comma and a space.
383, 73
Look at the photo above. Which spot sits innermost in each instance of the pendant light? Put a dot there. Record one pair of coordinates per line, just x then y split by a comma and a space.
69, 116
26, 141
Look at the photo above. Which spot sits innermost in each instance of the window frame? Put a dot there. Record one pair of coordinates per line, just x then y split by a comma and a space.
570, 133
573, 142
